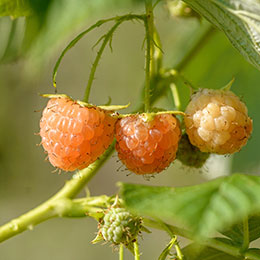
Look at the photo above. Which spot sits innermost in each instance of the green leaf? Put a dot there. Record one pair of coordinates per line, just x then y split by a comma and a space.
203, 208
196, 252
235, 232
15, 8
238, 19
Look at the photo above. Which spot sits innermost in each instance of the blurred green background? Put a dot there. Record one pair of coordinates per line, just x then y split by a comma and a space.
26, 179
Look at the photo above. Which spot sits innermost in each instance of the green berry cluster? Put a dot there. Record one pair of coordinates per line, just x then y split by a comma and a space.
119, 226
189, 154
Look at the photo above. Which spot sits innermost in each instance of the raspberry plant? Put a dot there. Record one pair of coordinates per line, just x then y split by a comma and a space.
78, 135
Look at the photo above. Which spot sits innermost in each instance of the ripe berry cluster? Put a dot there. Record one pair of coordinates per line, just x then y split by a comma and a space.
75, 135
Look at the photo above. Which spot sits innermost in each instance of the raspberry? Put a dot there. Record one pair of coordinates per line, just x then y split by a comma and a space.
190, 155
119, 226
74, 136
147, 147
217, 121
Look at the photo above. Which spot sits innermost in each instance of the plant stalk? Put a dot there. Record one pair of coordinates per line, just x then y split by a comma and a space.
121, 252
136, 251
246, 235
57, 205
149, 52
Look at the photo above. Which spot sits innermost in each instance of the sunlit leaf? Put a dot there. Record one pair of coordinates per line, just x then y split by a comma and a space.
238, 19
203, 208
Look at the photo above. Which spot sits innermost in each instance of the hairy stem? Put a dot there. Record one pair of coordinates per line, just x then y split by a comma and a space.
107, 38
56, 206
91, 28
149, 52
99, 54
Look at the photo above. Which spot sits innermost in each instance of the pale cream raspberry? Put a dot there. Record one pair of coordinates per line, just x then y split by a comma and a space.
217, 121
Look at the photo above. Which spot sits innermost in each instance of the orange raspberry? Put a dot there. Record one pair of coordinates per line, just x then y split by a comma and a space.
217, 121
145, 146
74, 136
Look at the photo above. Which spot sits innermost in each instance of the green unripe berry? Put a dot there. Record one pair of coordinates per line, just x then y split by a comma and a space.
190, 155
119, 226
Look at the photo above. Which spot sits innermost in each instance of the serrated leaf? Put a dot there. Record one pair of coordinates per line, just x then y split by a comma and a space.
238, 19
203, 208
15, 8
195, 252
235, 232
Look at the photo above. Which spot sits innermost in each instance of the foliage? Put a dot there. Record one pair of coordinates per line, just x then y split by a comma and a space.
238, 19
203, 209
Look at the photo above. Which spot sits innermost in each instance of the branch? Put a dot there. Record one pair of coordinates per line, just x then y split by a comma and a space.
107, 37
57, 206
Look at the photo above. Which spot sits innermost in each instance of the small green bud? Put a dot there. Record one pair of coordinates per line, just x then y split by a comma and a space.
190, 155
118, 226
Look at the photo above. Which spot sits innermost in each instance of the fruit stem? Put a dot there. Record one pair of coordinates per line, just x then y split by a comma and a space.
175, 95
80, 36
178, 250
136, 250
158, 58
246, 235
121, 252
107, 37
149, 28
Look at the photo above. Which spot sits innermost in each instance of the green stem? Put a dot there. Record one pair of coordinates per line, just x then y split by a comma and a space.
58, 205
107, 38
121, 252
136, 251
81, 178
178, 251
78, 37
246, 235
175, 95
158, 58
211, 242
149, 52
